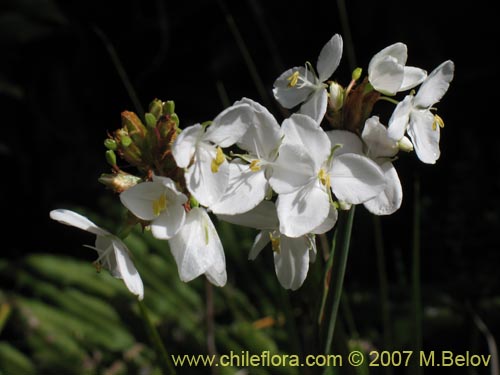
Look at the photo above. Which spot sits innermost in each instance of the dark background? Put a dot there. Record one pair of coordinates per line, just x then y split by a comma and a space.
60, 93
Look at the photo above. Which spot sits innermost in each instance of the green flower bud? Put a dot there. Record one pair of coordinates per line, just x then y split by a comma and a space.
156, 108
193, 202
169, 107
125, 141
356, 74
150, 120
111, 158
135, 128
175, 119
110, 144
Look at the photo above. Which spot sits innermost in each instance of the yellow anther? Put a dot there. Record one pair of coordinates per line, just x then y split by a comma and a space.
293, 79
159, 205
437, 121
218, 160
254, 165
275, 243
324, 178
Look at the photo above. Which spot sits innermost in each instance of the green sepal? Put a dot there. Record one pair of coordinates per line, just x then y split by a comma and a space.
111, 158
110, 144
150, 120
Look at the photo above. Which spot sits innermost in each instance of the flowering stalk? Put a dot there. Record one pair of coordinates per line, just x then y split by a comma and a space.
344, 229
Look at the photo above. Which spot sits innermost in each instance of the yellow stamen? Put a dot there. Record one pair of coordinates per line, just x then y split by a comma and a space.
160, 204
254, 165
437, 121
218, 160
324, 178
293, 79
275, 243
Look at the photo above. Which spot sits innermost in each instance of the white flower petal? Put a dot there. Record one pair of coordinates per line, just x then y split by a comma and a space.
127, 270
376, 138
197, 248
170, 184
292, 262
261, 217
289, 96
398, 51
389, 200
106, 254
207, 186
245, 190
76, 220
349, 141
425, 139
435, 86
387, 76
302, 211
329, 57
355, 178
260, 242
315, 106
169, 222
329, 223
293, 169
263, 135
398, 123
184, 146
139, 199
412, 77
302, 130
229, 126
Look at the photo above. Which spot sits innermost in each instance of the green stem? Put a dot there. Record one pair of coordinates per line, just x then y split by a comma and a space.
416, 291
346, 30
388, 99
163, 358
344, 228
384, 288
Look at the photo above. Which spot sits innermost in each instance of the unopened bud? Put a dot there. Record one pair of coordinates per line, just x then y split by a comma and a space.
119, 182
404, 144
111, 158
169, 107
336, 96
125, 141
150, 120
135, 128
110, 144
156, 108
175, 119
193, 202
356, 74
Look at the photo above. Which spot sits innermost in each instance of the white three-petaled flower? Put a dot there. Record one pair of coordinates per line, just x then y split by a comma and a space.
158, 201
199, 151
301, 85
197, 249
305, 171
113, 253
291, 255
414, 114
248, 183
388, 74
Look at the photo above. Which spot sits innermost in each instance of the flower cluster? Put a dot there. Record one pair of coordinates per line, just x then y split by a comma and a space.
288, 180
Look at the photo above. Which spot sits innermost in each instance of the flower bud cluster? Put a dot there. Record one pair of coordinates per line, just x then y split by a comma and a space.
287, 180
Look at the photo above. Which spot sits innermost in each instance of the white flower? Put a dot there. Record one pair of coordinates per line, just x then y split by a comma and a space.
158, 201
200, 152
414, 114
382, 149
197, 249
305, 171
291, 255
388, 74
113, 253
248, 182
301, 85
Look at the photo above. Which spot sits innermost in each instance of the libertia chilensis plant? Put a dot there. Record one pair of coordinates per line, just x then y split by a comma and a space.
288, 181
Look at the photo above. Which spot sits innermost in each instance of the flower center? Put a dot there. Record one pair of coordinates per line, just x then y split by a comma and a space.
293, 79
160, 204
218, 160
275, 242
254, 165
438, 121
324, 178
